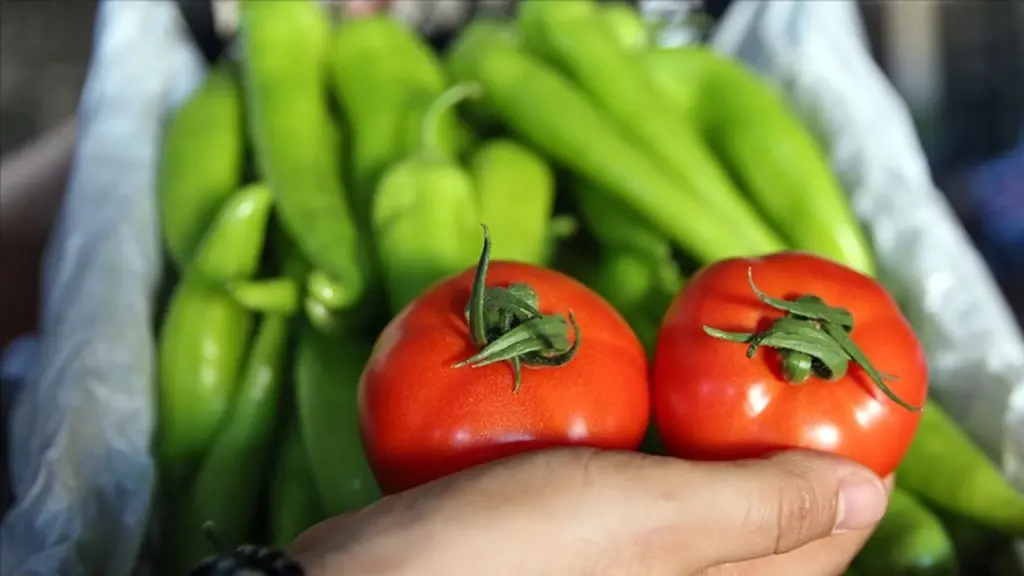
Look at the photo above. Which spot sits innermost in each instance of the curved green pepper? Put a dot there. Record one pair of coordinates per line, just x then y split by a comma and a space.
765, 146
946, 469
201, 161
205, 334
296, 142
327, 370
294, 501
425, 215
909, 540
576, 38
231, 480
384, 78
557, 118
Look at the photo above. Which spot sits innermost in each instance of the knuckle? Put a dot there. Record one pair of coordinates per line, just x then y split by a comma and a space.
802, 512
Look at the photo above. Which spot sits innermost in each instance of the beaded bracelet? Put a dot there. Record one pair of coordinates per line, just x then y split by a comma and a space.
245, 560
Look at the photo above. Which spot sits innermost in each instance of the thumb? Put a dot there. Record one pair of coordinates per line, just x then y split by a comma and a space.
778, 504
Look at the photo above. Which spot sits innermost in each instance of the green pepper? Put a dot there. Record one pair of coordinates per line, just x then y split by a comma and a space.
384, 78
228, 488
909, 540
763, 143
425, 217
327, 370
944, 468
557, 118
294, 502
516, 190
638, 286
201, 161
624, 21
296, 142
576, 38
205, 334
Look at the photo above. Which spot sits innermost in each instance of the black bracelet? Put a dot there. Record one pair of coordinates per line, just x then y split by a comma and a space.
249, 560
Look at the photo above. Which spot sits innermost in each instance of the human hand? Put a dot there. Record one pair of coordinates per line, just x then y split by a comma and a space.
580, 511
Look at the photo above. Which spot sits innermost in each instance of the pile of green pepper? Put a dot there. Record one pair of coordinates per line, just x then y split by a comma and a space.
318, 183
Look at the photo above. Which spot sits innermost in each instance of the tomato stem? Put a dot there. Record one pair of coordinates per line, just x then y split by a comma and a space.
506, 326
813, 339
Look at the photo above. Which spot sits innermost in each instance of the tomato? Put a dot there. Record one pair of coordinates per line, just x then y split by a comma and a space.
422, 416
712, 402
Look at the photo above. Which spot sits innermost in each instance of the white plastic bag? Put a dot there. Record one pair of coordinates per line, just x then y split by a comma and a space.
80, 433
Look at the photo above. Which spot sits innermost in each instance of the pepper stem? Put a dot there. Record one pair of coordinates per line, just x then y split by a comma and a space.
506, 326
448, 99
812, 339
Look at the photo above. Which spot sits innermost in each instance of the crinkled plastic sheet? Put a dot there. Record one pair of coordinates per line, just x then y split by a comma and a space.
81, 428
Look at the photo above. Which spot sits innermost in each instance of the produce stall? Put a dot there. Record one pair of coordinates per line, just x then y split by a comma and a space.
283, 205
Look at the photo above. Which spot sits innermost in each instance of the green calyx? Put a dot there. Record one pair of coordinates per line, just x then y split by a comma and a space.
813, 339
506, 326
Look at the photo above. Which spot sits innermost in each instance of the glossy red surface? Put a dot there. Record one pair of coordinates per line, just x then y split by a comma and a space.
421, 418
713, 403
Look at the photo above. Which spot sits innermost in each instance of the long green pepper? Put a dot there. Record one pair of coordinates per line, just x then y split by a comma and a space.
385, 78
296, 142
294, 501
327, 369
201, 161
557, 118
205, 334
944, 468
577, 39
763, 143
230, 483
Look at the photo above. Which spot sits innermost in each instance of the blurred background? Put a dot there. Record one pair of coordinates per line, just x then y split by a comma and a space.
959, 65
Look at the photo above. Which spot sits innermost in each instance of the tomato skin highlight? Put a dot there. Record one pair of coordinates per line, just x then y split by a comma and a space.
421, 418
710, 402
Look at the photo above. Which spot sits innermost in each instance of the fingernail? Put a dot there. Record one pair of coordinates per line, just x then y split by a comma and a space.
862, 502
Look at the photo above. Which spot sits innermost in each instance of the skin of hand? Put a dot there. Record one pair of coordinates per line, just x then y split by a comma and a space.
577, 512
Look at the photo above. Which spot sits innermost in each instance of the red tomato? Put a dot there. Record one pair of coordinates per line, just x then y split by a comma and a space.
422, 418
712, 402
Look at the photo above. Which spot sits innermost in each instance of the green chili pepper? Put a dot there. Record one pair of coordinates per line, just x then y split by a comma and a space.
516, 190
613, 225
777, 161
384, 78
639, 286
296, 143
201, 161
228, 489
327, 370
425, 216
944, 468
577, 39
205, 334
294, 502
624, 21
909, 540
558, 119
